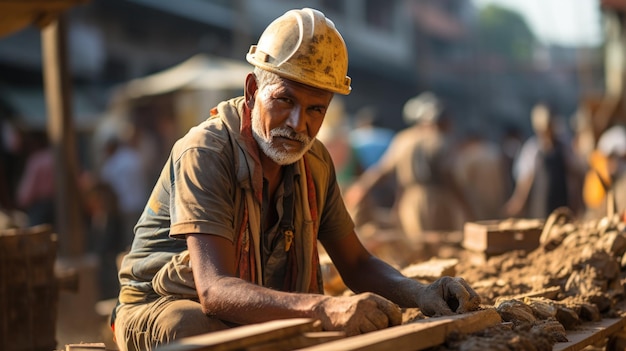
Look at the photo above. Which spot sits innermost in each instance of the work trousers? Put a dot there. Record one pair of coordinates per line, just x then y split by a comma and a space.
143, 327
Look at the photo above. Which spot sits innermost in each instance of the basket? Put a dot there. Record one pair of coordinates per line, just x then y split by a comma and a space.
28, 289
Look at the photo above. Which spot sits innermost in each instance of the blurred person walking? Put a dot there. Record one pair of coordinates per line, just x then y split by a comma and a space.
604, 190
548, 174
122, 169
36, 189
368, 139
370, 142
420, 157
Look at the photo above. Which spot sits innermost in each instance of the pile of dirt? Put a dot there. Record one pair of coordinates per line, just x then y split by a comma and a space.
582, 261
577, 274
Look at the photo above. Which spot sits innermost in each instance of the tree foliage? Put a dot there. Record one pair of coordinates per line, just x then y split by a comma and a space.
505, 32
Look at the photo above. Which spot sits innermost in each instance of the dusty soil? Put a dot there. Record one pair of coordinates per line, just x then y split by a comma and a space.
582, 261
577, 274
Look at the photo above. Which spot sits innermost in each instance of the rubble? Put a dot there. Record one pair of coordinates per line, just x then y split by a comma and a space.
567, 273
580, 262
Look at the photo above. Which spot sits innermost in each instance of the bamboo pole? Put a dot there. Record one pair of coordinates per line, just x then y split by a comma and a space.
61, 132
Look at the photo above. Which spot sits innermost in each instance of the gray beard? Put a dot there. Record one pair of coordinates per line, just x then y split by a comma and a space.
281, 157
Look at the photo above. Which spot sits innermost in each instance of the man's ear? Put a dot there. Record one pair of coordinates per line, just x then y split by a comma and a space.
251, 89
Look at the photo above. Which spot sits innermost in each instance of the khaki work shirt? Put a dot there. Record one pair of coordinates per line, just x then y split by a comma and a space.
200, 191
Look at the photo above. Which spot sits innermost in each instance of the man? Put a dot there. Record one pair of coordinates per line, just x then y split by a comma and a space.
122, 169
420, 158
548, 175
228, 236
605, 180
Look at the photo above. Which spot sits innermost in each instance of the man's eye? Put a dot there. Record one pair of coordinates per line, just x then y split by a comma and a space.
318, 110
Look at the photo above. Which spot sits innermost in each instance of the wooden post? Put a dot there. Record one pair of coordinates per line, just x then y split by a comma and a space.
61, 132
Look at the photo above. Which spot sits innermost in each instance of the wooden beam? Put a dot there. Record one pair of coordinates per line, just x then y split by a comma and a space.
418, 335
15, 15
590, 333
61, 133
86, 347
245, 336
298, 341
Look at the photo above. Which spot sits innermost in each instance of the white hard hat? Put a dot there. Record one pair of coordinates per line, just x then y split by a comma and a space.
304, 46
613, 141
425, 107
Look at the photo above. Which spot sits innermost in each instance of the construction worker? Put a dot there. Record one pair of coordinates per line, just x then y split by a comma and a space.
229, 234
605, 180
428, 197
548, 175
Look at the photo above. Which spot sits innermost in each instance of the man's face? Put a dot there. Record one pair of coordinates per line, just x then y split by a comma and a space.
286, 117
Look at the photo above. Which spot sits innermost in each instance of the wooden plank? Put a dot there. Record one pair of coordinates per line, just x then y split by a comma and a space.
415, 336
299, 341
86, 347
244, 336
590, 333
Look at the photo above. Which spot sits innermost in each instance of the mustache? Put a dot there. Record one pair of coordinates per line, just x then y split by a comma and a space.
290, 134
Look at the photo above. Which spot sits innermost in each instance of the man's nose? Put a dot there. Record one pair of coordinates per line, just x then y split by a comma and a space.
296, 120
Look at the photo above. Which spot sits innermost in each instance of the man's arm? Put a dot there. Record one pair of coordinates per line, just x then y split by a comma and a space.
226, 297
515, 204
363, 272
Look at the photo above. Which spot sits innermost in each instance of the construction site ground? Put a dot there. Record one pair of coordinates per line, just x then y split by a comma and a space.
563, 292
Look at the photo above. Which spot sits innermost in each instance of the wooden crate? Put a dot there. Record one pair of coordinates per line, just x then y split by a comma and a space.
28, 289
497, 237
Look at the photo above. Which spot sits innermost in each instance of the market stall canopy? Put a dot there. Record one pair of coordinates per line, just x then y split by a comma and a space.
18, 14
200, 72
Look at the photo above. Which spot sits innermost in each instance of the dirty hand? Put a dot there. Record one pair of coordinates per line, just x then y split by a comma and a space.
357, 314
446, 296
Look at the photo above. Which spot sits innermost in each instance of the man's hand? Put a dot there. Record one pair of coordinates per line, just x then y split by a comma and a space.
448, 296
358, 314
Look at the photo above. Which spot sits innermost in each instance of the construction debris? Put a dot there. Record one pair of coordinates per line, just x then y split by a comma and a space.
573, 278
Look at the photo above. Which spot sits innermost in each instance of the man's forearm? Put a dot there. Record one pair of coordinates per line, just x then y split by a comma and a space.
379, 277
235, 300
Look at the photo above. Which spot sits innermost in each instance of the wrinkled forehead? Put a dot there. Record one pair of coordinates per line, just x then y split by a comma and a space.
299, 90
